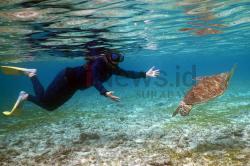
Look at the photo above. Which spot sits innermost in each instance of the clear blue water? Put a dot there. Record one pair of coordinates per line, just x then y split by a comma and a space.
209, 36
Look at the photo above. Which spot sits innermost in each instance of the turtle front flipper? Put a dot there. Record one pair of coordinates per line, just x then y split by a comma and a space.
177, 110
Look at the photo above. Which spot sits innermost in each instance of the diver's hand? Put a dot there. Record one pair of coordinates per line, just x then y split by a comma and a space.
111, 96
153, 73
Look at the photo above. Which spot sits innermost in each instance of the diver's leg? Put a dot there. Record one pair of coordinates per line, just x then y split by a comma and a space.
21, 98
37, 86
38, 89
57, 93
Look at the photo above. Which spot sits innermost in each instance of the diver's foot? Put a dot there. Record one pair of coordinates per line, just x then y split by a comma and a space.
30, 72
23, 95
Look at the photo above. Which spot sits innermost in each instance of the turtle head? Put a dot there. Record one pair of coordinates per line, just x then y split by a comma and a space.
183, 109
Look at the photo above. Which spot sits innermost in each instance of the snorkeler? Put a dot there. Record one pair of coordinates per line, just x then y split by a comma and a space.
98, 69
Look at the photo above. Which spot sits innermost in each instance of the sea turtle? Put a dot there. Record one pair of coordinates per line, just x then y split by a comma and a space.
207, 88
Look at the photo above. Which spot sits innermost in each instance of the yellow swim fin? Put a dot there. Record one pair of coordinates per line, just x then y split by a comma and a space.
15, 108
11, 70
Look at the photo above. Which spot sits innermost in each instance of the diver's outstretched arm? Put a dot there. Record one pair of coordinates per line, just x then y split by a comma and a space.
153, 73
134, 74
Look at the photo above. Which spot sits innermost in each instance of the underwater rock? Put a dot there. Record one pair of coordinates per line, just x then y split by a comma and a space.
240, 157
78, 125
238, 133
62, 155
115, 143
17, 142
87, 136
122, 119
183, 142
6, 155
85, 161
231, 137
164, 162
3, 145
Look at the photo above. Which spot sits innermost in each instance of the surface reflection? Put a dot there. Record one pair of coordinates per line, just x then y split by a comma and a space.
202, 19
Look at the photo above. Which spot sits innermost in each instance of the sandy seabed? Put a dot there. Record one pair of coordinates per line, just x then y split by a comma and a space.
129, 134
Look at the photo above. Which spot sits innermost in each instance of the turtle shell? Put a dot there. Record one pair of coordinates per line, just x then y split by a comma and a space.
207, 88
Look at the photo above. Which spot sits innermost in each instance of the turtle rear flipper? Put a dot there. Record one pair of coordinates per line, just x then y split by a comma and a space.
231, 72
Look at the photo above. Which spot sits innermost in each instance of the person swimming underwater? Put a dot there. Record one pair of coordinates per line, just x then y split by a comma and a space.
98, 69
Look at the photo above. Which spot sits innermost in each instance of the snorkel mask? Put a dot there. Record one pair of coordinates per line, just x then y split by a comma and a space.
115, 58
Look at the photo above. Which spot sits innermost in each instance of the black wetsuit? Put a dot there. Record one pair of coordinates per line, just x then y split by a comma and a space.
69, 80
